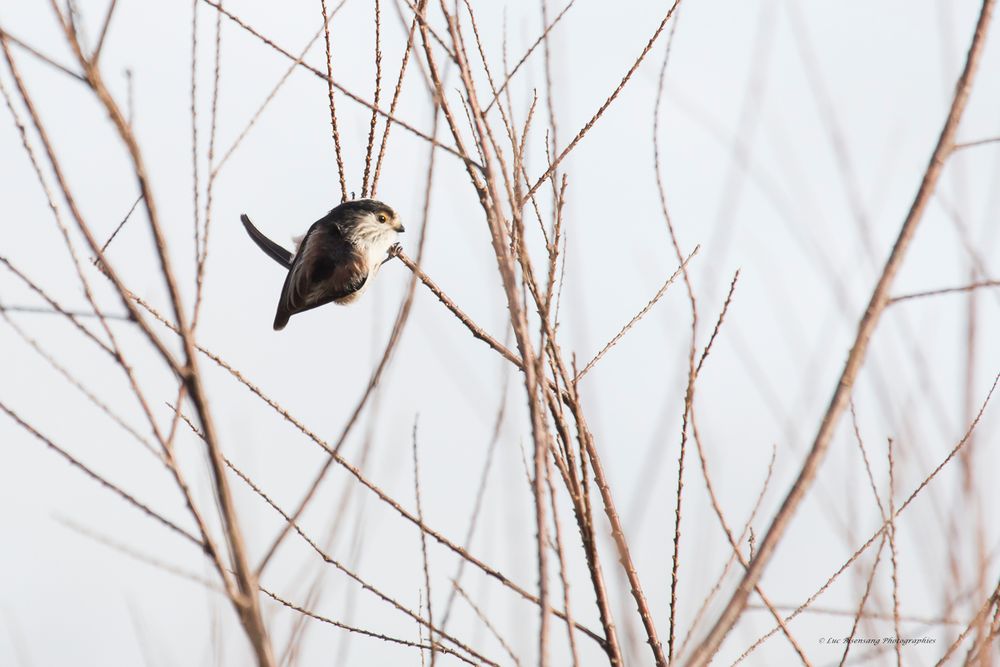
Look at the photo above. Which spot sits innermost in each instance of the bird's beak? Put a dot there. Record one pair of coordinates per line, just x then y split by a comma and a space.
400, 228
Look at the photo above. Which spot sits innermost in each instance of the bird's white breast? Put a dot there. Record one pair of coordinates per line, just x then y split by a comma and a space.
377, 247
374, 241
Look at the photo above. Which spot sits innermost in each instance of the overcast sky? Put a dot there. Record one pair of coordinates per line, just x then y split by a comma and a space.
793, 137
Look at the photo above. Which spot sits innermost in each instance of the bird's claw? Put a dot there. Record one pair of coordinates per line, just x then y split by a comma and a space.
395, 250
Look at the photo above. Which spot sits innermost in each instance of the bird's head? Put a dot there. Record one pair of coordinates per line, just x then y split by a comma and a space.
367, 217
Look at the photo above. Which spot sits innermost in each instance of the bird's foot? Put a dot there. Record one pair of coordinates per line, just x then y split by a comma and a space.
395, 250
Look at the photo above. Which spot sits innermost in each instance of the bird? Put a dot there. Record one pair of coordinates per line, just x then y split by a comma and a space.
335, 260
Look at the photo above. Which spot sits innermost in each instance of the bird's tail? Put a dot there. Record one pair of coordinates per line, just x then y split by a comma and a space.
270, 248
281, 318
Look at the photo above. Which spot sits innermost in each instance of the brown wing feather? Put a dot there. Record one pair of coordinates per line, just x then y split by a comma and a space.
327, 267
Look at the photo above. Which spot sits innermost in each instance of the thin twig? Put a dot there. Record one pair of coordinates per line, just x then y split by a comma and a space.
692, 370
41, 56
194, 134
476, 330
652, 302
118, 229
980, 142
41, 310
891, 532
127, 497
718, 322
133, 553
74, 381
541, 38
946, 290
201, 254
974, 623
367, 633
868, 467
104, 30
482, 616
557, 525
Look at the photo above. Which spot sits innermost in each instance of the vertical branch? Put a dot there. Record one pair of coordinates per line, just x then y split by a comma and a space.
893, 553
196, 205
333, 107
423, 545
378, 92
130, 98
553, 134
104, 29
692, 370
202, 253
562, 564
395, 96
624, 555
579, 491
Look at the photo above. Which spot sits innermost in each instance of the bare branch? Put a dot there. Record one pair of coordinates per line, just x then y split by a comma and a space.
41, 56
104, 30
946, 290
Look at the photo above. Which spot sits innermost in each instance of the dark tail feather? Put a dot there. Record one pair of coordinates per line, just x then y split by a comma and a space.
281, 318
270, 248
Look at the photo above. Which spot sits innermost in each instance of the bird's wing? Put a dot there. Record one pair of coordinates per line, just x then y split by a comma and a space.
272, 249
327, 267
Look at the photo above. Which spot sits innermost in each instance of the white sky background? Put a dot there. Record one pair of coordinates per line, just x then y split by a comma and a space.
751, 173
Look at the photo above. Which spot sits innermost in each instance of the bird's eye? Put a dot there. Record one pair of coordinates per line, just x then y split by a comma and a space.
381, 217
